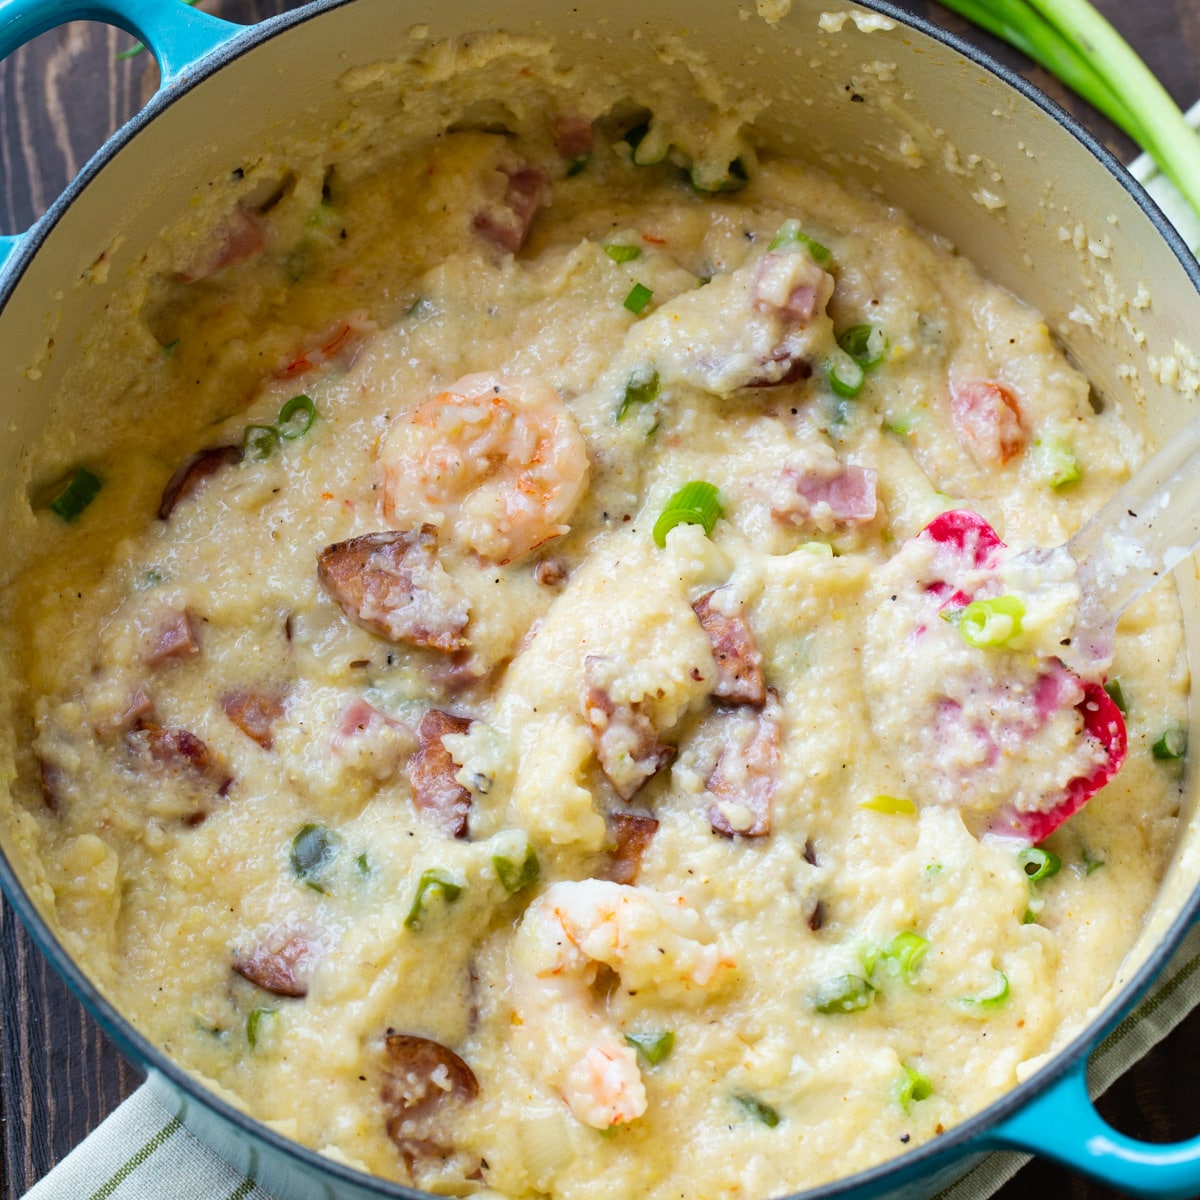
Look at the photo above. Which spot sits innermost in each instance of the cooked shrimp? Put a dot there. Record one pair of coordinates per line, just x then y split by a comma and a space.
651, 939
497, 463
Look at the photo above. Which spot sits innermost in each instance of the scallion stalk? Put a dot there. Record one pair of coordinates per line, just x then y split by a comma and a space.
1039, 864
433, 882
696, 503
653, 1047
76, 494
991, 623
1172, 744
638, 299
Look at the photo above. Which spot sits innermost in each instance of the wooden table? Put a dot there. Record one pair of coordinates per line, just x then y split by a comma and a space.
60, 97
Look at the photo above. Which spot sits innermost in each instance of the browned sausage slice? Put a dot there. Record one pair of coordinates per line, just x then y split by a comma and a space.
431, 773
392, 584
255, 714
174, 640
281, 964
632, 832
193, 472
741, 788
739, 664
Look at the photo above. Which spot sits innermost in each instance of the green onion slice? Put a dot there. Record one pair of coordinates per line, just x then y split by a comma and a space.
577, 165
846, 375
1039, 864
789, 236
296, 417
1055, 462
313, 850
901, 956
755, 1108
76, 494
433, 882
259, 1025
1116, 694
866, 344
642, 387
1172, 744
843, 994
516, 874
621, 253
363, 864
992, 623
259, 442
990, 1000
653, 1047
638, 298
893, 805
912, 1087
696, 503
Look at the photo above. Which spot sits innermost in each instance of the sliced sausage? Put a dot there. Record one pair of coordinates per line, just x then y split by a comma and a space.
193, 472
739, 664
255, 714
392, 584
431, 773
281, 964
632, 834
174, 640
241, 237
741, 788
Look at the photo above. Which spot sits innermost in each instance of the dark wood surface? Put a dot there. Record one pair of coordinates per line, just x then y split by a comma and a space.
60, 97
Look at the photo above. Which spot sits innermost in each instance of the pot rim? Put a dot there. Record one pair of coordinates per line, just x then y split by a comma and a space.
974, 1135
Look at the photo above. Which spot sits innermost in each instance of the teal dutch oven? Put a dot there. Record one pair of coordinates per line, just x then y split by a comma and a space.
1007, 177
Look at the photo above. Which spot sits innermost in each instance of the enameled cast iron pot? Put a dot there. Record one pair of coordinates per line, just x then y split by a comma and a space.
972, 152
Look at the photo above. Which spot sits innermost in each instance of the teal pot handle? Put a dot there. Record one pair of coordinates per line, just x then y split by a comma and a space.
1062, 1124
178, 36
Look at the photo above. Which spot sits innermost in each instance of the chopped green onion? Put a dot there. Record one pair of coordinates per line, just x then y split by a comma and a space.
170, 348
912, 1087
1055, 463
789, 235
901, 956
76, 494
578, 164
696, 503
621, 253
846, 376
641, 388
653, 1047
893, 805
638, 298
984, 1004
758, 1110
433, 882
635, 136
865, 344
1172, 744
991, 623
1116, 694
363, 864
517, 874
259, 442
1039, 864
843, 994
259, 1024
1091, 864
313, 850
296, 417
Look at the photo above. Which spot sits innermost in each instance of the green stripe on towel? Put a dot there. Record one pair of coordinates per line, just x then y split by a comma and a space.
136, 1159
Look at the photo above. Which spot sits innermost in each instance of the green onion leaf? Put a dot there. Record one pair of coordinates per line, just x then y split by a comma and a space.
696, 503
259, 442
912, 1087
992, 623
296, 417
641, 388
900, 957
865, 344
981, 1006
653, 1047
788, 236
1172, 744
638, 298
433, 883
313, 850
363, 864
517, 874
893, 805
621, 253
76, 494
1039, 864
259, 1025
1055, 463
1116, 695
755, 1108
843, 994
846, 376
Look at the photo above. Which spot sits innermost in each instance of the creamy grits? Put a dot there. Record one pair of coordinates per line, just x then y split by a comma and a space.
525, 693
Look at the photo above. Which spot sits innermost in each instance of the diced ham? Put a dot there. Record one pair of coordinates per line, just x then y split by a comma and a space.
987, 420
392, 584
181, 751
574, 136
241, 237
192, 473
338, 346
818, 492
507, 224
281, 964
255, 714
741, 788
174, 640
632, 834
627, 744
788, 286
138, 713
739, 664
431, 772
422, 1081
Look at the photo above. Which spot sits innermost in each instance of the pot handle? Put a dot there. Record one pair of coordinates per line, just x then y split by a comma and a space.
1062, 1124
178, 36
